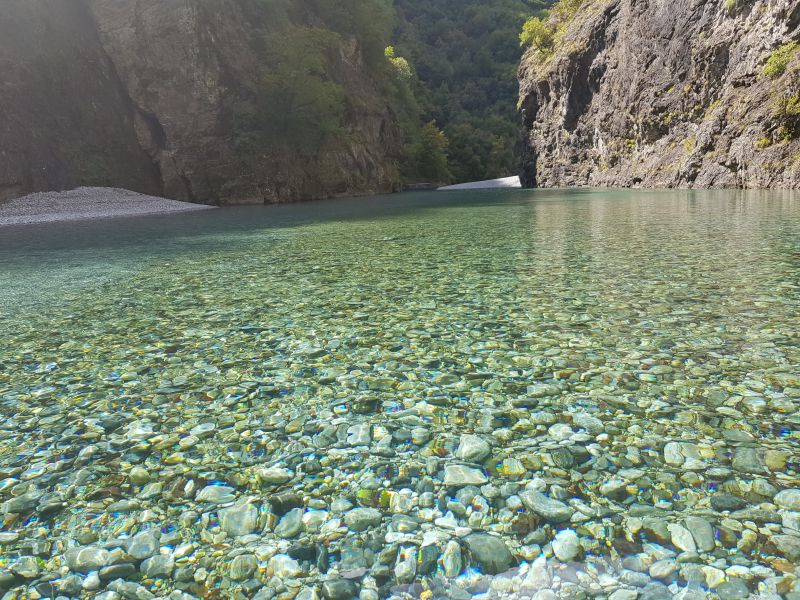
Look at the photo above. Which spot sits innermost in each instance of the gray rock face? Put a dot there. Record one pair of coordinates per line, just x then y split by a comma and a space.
82, 134
654, 94
138, 94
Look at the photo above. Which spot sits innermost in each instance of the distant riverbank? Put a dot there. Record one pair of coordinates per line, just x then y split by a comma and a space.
87, 203
489, 184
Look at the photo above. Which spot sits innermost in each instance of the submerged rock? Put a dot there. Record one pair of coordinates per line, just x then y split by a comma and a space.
552, 510
489, 553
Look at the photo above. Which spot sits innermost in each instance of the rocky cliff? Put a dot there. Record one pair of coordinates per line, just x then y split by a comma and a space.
65, 117
666, 93
144, 94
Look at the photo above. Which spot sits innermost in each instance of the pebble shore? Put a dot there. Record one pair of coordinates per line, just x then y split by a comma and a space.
87, 203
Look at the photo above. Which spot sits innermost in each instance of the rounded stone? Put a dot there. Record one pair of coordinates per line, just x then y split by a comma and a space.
139, 476
26, 567
239, 520
360, 519
159, 566
489, 553
216, 494
84, 560
681, 538
788, 499
283, 566
243, 567
461, 475
550, 509
473, 448
144, 544
566, 545
290, 524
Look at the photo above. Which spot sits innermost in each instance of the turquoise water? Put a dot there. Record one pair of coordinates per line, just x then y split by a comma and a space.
632, 356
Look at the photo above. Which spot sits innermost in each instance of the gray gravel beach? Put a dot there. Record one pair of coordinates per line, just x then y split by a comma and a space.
87, 203
505, 182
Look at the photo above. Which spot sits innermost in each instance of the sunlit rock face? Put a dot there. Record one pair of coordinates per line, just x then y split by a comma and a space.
66, 119
144, 94
663, 94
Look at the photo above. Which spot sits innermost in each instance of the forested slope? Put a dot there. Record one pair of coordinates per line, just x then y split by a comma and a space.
465, 54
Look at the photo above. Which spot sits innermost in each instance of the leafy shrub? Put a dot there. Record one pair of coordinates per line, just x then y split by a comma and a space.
779, 60
786, 110
402, 68
545, 33
763, 143
537, 34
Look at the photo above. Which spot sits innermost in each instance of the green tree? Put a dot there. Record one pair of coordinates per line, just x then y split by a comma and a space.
427, 157
402, 67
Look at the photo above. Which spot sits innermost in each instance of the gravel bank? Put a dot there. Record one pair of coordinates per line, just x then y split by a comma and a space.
87, 203
505, 182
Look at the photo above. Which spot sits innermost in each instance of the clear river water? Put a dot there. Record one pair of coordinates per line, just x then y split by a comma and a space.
502, 394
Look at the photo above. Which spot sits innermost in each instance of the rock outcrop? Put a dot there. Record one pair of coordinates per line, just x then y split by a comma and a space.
658, 93
142, 94
65, 117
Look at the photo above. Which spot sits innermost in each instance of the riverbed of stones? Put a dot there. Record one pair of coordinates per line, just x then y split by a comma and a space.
559, 491
313, 425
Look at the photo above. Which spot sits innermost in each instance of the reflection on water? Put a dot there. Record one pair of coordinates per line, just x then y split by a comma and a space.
510, 393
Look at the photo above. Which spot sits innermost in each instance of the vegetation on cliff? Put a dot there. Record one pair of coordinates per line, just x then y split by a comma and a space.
444, 68
305, 102
545, 31
783, 69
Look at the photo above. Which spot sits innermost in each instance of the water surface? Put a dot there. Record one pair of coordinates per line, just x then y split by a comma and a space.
631, 356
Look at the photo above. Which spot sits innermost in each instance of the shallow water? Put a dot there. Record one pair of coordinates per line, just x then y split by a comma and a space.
634, 356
